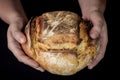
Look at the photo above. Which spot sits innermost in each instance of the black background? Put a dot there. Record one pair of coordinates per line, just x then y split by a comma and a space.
107, 68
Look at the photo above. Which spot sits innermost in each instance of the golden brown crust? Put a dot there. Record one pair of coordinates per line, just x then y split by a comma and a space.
59, 42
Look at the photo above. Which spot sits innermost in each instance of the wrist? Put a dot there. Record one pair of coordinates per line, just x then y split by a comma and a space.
14, 17
17, 19
88, 13
17, 23
90, 6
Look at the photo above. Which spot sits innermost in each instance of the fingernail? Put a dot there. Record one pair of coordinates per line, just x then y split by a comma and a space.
40, 69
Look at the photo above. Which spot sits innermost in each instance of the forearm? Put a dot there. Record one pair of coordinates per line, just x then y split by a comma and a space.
92, 5
11, 10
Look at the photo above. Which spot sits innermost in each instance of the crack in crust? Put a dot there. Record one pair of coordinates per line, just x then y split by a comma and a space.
59, 42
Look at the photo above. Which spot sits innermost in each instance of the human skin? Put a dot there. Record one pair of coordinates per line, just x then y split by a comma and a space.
93, 10
13, 14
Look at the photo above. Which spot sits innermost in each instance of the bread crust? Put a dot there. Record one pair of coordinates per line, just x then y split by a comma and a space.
61, 51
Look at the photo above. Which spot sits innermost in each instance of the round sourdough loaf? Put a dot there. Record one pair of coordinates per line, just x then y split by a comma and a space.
59, 42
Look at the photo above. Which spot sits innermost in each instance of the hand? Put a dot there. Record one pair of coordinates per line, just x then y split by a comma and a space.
15, 38
99, 31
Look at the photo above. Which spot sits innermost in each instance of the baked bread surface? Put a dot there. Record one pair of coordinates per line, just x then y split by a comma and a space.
59, 42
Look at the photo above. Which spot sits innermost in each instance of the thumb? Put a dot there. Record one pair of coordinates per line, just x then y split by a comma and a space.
17, 34
97, 22
96, 29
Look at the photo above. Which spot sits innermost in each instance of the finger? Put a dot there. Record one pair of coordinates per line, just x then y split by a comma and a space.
95, 61
18, 35
95, 31
23, 58
28, 61
19, 54
101, 52
97, 25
